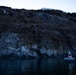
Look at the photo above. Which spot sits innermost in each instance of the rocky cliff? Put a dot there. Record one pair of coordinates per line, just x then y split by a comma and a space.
36, 33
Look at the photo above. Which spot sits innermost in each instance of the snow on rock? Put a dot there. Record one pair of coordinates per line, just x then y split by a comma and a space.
46, 9
12, 50
34, 46
49, 52
11, 38
43, 50
23, 51
33, 54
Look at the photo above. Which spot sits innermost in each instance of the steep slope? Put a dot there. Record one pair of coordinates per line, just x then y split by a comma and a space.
36, 33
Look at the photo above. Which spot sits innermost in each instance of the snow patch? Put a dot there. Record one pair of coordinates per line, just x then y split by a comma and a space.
46, 9
34, 46
33, 54
24, 51
43, 50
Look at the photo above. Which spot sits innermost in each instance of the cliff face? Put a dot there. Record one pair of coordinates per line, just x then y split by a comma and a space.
36, 33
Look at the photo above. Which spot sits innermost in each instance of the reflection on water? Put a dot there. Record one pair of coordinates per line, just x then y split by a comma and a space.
36, 67
71, 68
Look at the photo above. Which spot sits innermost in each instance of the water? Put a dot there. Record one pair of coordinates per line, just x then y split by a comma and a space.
37, 67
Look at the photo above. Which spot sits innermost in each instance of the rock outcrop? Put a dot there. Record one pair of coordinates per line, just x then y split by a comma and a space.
36, 33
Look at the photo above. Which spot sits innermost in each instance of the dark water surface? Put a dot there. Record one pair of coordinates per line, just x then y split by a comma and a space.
37, 67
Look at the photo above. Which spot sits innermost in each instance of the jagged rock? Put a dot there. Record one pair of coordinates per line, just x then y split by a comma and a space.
36, 33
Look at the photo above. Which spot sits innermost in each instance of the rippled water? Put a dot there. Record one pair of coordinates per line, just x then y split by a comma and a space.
37, 67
